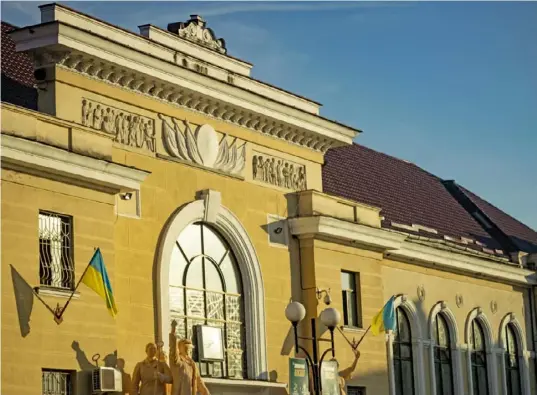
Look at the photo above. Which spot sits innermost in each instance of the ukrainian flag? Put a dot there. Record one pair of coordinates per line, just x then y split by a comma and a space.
96, 278
385, 318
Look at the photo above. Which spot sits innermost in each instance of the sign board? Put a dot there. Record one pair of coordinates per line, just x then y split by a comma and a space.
298, 377
330, 378
210, 344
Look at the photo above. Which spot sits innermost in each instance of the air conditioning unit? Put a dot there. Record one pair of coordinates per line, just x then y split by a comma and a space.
106, 380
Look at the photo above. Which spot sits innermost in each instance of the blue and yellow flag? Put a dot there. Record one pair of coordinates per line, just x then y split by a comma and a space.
96, 278
385, 318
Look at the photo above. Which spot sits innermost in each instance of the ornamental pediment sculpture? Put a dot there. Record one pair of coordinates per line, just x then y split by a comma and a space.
203, 146
195, 30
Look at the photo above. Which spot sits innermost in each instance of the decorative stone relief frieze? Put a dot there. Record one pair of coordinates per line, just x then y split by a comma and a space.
202, 147
194, 30
279, 172
127, 128
185, 98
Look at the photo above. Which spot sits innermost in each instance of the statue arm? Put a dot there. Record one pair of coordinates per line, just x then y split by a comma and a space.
347, 374
173, 348
202, 388
136, 377
166, 373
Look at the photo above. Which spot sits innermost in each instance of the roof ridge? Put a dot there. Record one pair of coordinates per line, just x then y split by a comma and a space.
9, 24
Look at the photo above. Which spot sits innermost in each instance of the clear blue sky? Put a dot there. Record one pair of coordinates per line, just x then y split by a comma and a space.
451, 86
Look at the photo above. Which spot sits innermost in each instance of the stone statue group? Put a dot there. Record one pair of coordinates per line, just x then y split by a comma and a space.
279, 172
153, 375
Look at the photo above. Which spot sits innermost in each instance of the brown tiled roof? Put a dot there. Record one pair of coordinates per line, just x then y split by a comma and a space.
409, 195
521, 235
18, 82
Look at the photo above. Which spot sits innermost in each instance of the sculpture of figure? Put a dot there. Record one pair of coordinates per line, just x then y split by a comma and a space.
108, 120
149, 134
185, 374
266, 170
98, 118
272, 172
84, 112
126, 129
151, 375
89, 116
261, 168
279, 175
301, 179
285, 172
254, 167
119, 127
348, 374
291, 177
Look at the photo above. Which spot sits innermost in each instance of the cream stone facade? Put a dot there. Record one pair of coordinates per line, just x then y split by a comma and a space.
139, 136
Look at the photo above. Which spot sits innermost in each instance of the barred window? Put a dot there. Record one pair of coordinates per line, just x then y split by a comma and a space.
56, 267
206, 289
350, 289
512, 362
57, 382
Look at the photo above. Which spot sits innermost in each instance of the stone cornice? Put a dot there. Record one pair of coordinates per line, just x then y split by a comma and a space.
149, 72
399, 246
47, 161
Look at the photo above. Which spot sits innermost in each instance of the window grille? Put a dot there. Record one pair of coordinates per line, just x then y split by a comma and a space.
56, 267
355, 390
57, 382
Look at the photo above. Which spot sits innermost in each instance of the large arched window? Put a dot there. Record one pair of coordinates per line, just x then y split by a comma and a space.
512, 362
443, 365
205, 289
402, 355
478, 358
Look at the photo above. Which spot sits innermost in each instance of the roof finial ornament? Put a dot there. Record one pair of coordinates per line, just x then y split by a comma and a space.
195, 30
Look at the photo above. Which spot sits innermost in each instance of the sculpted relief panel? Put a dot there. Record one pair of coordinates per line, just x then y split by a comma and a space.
202, 146
279, 172
127, 128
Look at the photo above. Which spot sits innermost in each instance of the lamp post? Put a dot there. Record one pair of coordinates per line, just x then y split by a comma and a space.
295, 312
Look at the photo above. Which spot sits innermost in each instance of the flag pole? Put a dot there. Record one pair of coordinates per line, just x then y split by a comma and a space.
59, 312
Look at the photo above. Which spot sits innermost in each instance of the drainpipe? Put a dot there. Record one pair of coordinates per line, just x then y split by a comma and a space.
533, 331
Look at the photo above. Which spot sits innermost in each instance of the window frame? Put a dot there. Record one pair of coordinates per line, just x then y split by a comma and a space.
507, 354
474, 367
67, 260
70, 376
206, 367
354, 294
399, 389
437, 349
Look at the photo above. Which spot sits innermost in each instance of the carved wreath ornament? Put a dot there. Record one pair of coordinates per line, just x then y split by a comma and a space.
202, 147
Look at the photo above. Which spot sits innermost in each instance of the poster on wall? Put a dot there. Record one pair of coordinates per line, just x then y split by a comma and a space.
330, 378
298, 377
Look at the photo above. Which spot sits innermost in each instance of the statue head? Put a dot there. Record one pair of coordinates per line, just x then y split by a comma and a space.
151, 350
185, 347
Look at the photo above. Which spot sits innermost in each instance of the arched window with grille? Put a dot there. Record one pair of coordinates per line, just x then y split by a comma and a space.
478, 356
512, 362
205, 288
443, 361
402, 354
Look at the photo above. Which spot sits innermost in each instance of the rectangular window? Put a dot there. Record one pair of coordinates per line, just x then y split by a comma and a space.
56, 264
356, 391
57, 382
352, 306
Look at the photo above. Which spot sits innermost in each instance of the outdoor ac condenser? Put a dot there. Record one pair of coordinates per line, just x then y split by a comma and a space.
106, 380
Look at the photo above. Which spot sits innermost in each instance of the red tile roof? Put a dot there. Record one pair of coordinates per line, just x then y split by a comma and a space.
18, 82
15, 65
409, 195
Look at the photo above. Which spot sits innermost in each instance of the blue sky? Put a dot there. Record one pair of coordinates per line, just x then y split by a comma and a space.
450, 86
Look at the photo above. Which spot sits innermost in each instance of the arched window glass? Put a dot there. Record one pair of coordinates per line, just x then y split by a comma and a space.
402, 355
512, 367
479, 359
206, 289
442, 357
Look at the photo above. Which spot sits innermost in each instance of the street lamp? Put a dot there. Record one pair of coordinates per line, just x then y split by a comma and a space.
295, 312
